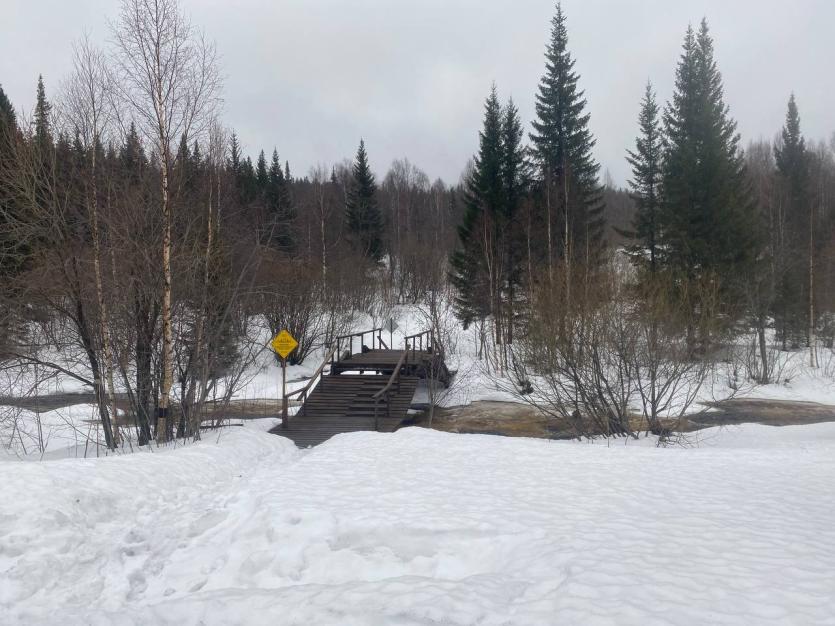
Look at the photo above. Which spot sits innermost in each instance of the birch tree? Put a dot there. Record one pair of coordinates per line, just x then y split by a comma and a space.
323, 210
87, 111
169, 81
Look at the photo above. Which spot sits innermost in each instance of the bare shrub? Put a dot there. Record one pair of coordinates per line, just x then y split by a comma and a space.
575, 362
625, 356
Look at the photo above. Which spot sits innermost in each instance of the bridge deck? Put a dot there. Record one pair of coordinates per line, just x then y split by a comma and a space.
379, 360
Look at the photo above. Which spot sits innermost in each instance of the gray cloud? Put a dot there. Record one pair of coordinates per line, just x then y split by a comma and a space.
313, 76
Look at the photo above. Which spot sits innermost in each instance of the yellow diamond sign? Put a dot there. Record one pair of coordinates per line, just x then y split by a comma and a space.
283, 344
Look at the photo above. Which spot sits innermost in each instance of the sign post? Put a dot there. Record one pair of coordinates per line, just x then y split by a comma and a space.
283, 344
391, 326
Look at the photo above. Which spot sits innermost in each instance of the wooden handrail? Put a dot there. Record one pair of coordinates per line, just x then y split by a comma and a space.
395, 375
415, 342
317, 374
359, 333
376, 333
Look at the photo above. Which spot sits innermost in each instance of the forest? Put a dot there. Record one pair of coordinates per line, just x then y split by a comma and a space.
149, 256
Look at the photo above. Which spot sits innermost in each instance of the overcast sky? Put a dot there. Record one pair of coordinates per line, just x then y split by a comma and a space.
313, 76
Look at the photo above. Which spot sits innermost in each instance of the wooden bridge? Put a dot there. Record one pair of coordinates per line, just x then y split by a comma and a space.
363, 384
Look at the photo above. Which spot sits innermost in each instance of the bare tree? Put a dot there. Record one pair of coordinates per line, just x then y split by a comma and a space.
761, 287
574, 363
668, 375
437, 314
168, 78
200, 383
87, 113
323, 209
620, 356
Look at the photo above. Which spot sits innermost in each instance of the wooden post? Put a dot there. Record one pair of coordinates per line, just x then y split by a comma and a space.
284, 393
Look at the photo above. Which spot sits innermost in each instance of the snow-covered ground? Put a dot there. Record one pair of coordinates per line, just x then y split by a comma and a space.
60, 432
422, 527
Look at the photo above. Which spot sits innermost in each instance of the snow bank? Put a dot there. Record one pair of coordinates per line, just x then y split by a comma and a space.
50, 434
81, 533
421, 527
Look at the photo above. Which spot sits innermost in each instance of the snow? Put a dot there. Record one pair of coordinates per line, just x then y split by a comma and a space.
74, 431
64, 431
809, 386
421, 527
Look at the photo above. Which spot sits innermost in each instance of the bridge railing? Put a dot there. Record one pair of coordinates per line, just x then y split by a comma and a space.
384, 395
304, 391
346, 342
420, 342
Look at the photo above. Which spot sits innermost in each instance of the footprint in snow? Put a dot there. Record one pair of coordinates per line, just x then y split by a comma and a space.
206, 522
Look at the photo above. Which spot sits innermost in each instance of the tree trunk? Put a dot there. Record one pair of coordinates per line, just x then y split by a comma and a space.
567, 235
144, 339
164, 423
104, 328
98, 383
548, 218
813, 362
764, 377
201, 351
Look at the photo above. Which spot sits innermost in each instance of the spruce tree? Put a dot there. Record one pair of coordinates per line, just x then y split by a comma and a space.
275, 183
185, 167
11, 251
8, 119
484, 195
515, 182
244, 183
792, 298
132, 156
259, 207
8, 129
43, 111
707, 218
280, 212
248, 182
46, 154
485, 266
234, 163
562, 147
790, 155
196, 156
363, 217
645, 185
261, 174
234, 155
515, 173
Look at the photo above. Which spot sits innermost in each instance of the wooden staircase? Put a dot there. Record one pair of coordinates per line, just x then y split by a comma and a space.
370, 389
345, 403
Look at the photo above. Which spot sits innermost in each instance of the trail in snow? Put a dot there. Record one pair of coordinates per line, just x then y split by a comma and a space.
421, 527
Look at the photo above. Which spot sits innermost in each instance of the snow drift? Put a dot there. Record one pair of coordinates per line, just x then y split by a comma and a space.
421, 527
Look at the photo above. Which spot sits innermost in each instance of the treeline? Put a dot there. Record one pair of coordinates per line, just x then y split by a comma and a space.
144, 255
721, 245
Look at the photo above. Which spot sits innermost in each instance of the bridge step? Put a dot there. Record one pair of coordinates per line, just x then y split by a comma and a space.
344, 403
